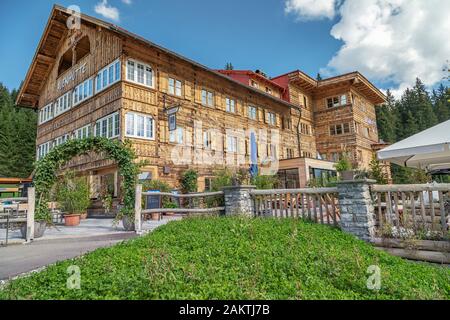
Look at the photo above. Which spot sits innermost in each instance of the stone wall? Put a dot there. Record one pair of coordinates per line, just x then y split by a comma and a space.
357, 210
238, 200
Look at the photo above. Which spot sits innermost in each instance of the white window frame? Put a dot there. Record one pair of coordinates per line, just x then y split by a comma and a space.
105, 73
87, 91
46, 113
207, 98
272, 118
207, 140
177, 136
44, 149
61, 140
134, 133
252, 110
232, 144
80, 133
63, 103
230, 105
177, 88
147, 69
115, 127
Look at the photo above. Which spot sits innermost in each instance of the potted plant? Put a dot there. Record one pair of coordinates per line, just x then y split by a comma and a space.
73, 196
41, 218
344, 168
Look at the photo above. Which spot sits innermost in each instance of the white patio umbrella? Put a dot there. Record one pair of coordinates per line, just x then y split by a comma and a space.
427, 150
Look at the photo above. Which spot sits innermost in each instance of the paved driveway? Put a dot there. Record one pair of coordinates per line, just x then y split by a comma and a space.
18, 259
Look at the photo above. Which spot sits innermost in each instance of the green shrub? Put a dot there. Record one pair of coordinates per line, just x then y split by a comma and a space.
189, 182
264, 182
72, 193
237, 258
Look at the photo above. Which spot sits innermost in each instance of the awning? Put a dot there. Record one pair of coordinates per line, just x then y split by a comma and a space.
427, 150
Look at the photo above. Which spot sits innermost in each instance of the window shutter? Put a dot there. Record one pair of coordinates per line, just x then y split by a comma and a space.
187, 90
163, 81
278, 118
218, 101
260, 114
198, 94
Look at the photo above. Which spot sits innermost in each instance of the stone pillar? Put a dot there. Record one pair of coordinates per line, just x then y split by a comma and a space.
357, 210
238, 200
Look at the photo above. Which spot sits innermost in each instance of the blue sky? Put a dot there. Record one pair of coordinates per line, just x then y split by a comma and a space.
276, 36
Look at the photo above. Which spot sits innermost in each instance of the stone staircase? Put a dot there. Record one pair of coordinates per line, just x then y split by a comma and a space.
96, 210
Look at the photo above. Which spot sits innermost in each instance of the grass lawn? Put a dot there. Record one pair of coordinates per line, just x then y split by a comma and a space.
236, 258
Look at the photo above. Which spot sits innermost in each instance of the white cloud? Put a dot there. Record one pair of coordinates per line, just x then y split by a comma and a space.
312, 9
392, 41
107, 11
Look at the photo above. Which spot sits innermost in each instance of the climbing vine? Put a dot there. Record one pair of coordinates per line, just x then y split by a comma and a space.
46, 170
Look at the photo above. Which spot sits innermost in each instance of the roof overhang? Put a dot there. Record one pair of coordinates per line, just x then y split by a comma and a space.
54, 32
357, 81
43, 60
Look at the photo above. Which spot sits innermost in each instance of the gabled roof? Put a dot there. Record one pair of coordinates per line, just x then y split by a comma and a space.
253, 74
355, 78
54, 32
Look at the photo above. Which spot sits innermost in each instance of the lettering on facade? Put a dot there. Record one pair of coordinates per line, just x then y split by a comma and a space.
71, 76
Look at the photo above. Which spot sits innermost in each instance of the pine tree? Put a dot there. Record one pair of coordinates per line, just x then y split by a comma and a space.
387, 119
229, 66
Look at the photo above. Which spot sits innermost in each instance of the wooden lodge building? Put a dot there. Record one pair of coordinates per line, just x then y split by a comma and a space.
98, 79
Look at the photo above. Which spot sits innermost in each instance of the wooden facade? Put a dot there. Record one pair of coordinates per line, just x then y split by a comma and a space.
116, 80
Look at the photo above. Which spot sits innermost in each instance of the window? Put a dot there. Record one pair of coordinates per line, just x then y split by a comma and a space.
44, 149
305, 129
271, 118
254, 84
46, 113
63, 103
272, 150
231, 105
108, 126
289, 153
175, 87
107, 76
83, 91
176, 136
83, 133
252, 112
337, 101
207, 140
139, 126
339, 129
208, 184
287, 123
305, 102
207, 98
232, 144
268, 90
60, 140
139, 73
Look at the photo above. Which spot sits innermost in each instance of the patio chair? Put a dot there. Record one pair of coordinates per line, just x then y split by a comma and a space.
57, 216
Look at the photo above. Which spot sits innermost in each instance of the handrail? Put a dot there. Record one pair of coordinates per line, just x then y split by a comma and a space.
287, 191
411, 187
13, 199
162, 210
190, 195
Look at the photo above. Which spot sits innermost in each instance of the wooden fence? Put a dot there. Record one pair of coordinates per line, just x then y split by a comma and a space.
190, 204
315, 204
404, 211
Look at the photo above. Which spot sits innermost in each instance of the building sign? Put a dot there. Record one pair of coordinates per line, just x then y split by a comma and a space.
172, 112
173, 122
71, 76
